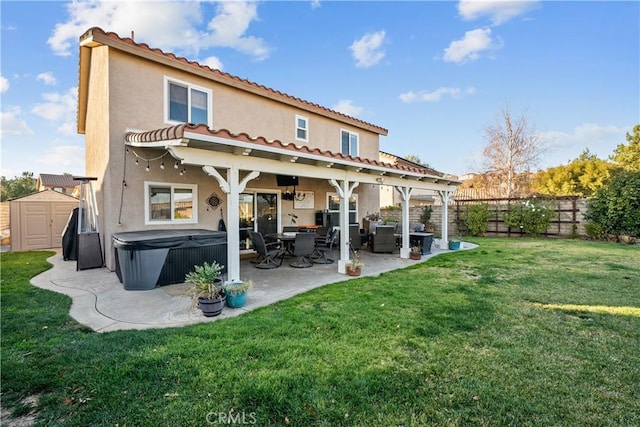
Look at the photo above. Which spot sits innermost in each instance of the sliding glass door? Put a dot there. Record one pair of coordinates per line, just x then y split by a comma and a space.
258, 212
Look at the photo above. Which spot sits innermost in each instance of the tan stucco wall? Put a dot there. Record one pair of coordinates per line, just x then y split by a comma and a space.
126, 92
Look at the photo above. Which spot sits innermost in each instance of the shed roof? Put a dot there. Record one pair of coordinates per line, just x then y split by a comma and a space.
47, 195
58, 181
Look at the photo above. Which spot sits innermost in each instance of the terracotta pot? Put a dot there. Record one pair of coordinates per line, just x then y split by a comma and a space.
415, 255
354, 271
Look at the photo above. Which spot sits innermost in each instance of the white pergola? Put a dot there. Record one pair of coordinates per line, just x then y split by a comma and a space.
234, 160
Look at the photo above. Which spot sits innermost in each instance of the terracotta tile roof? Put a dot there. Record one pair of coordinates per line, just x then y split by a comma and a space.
58, 181
398, 159
95, 34
178, 132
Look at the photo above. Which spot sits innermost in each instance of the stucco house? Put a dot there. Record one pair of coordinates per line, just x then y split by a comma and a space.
175, 144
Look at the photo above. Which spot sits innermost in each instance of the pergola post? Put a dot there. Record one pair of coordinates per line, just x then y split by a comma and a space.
405, 193
445, 196
344, 191
232, 186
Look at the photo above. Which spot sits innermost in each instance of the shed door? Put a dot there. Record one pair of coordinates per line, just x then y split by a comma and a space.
42, 224
35, 225
59, 217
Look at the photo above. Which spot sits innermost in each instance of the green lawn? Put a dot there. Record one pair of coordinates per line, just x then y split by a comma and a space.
517, 332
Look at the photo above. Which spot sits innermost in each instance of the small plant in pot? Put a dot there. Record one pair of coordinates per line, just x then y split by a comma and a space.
354, 268
415, 252
236, 293
206, 288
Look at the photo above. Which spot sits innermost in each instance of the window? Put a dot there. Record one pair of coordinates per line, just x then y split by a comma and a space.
170, 203
333, 203
302, 128
349, 143
185, 103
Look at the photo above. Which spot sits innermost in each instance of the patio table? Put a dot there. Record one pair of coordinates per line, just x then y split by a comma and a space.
287, 239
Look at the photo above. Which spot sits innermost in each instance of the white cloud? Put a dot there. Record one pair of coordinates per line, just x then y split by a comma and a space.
59, 107
4, 85
345, 106
368, 51
68, 129
47, 78
150, 20
63, 158
585, 134
12, 124
436, 95
213, 62
315, 4
499, 11
468, 48
599, 139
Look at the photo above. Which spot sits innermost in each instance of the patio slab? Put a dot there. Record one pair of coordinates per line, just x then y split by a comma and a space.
100, 302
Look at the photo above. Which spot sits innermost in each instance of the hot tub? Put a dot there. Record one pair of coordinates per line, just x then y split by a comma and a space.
150, 258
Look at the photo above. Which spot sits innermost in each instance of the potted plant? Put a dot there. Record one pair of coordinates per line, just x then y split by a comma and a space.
206, 288
236, 293
425, 218
354, 268
415, 253
454, 244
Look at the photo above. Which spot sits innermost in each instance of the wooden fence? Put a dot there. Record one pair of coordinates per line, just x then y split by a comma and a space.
566, 222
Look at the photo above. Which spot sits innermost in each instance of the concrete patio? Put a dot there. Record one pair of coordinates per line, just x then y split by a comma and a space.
101, 303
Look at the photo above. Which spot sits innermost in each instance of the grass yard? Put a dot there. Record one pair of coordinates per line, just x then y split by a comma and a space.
522, 332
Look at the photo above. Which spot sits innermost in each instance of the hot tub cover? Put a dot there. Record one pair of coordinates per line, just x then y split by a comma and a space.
157, 239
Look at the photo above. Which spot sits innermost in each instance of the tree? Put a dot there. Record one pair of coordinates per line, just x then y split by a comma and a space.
581, 177
513, 147
628, 156
615, 207
415, 159
18, 186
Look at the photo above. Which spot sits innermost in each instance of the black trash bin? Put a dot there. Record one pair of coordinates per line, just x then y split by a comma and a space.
150, 258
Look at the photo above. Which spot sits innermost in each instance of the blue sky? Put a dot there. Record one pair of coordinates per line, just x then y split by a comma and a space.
435, 74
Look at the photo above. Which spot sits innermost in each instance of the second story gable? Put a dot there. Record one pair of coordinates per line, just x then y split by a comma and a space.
146, 88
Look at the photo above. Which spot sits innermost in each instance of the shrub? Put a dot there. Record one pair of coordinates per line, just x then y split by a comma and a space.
477, 219
531, 216
615, 207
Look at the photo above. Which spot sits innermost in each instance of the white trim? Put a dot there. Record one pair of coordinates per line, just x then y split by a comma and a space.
357, 135
172, 187
189, 86
329, 195
306, 128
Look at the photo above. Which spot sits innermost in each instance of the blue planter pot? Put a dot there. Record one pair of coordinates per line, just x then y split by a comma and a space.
454, 246
237, 301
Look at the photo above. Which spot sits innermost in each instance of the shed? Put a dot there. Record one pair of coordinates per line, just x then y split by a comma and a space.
38, 220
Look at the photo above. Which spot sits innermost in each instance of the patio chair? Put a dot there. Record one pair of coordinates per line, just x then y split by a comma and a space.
383, 240
268, 253
324, 245
355, 238
303, 247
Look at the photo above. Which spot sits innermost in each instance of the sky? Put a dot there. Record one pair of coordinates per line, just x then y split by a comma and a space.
435, 74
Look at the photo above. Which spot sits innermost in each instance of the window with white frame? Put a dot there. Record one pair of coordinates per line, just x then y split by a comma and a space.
167, 203
349, 142
187, 103
302, 128
333, 203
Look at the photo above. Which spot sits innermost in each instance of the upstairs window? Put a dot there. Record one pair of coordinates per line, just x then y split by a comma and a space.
349, 143
302, 128
185, 103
